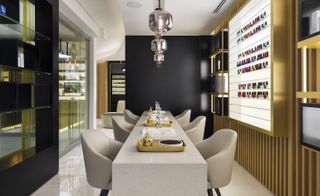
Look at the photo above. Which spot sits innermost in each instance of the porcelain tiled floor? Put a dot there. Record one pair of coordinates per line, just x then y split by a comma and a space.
71, 180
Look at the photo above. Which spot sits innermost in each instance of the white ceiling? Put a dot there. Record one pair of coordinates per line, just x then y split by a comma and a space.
190, 17
100, 19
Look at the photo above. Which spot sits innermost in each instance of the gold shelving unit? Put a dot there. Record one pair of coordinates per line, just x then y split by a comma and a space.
214, 72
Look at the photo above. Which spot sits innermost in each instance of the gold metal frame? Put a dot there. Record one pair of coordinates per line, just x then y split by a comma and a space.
222, 72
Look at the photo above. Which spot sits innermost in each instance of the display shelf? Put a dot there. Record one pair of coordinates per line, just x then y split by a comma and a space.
217, 94
12, 29
312, 42
308, 95
72, 81
258, 56
219, 73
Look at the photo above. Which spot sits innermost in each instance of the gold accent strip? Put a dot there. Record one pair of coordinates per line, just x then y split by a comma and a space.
313, 42
308, 95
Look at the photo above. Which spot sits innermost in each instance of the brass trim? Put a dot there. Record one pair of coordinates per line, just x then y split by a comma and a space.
308, 95
312, 42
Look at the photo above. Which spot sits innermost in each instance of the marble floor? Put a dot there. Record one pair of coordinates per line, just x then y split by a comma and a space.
71, 180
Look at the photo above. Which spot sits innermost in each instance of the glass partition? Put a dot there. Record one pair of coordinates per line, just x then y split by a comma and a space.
73, 96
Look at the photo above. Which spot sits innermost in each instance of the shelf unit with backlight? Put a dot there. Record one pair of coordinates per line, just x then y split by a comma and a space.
28, 123
259, 66
219, 73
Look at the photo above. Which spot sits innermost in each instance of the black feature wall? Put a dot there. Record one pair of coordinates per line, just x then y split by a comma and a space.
180, 82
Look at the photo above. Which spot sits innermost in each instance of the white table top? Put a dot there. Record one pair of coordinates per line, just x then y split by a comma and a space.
130, 155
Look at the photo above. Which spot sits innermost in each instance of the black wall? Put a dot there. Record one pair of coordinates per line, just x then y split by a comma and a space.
177, 84
27, 176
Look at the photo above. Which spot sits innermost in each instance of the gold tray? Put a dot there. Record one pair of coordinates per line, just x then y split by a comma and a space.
153, 124
157, 147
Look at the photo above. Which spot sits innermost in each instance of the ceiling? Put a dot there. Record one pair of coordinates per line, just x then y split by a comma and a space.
190, 17
100, 19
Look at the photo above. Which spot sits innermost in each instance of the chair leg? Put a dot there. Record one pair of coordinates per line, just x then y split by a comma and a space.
218, 192
104, 192
210, 193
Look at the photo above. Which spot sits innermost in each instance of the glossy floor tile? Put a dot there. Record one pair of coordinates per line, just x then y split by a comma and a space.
71, 180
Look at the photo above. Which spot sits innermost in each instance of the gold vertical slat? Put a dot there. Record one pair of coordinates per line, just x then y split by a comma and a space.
311, 168
318, 174
285, 167
303, 177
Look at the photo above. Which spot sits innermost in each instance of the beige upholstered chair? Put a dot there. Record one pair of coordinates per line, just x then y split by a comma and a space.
107, 117
184, 118
121, 128
195, 129
98, 152
130, 117
218, 151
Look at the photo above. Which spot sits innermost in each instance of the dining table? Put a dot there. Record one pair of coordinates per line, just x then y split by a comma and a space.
136, 173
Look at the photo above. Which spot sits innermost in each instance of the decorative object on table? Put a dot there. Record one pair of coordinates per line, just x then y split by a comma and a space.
164, 132
150, 123
160, 22
161, 145
147, 140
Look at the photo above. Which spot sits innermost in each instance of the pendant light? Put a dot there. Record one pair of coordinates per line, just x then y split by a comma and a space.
160, 22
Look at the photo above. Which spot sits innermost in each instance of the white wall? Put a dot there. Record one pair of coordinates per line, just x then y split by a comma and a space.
118, 56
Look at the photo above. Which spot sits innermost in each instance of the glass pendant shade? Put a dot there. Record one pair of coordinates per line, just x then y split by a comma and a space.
159, 45
160, 22
158, 58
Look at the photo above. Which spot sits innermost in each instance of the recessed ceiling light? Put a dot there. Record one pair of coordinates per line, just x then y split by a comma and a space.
134, 4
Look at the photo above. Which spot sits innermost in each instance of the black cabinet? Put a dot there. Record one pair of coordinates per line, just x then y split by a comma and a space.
12, 11
29, 96
8, 92
221, 106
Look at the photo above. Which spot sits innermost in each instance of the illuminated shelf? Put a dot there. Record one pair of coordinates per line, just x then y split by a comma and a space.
312, 42
218, 73
220, 94
72, 81
13, 29
308, 95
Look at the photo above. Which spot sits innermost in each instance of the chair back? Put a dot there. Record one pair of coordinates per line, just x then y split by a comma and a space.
195, 129
130, 117
121, 128
184, 118
221, 148
98, 153
121, 105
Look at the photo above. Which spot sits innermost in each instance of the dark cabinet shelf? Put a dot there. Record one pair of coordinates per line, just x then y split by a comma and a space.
11, 29
219, 42
26, 58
